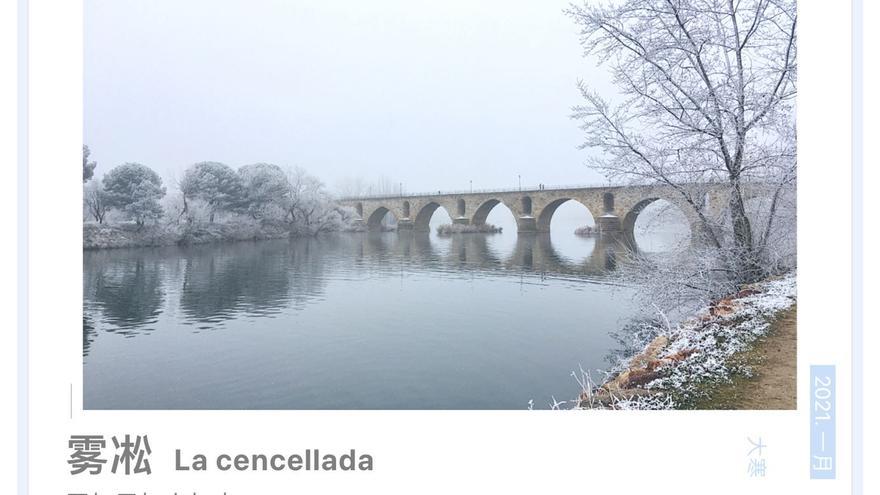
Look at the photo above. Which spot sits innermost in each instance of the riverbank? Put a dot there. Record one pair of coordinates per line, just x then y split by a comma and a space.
738, 353
127, 235
772, 385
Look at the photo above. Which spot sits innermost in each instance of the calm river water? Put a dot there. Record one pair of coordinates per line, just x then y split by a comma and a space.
349, 321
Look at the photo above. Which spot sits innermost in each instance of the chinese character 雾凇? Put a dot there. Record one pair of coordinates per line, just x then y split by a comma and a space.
128, 451
86, 454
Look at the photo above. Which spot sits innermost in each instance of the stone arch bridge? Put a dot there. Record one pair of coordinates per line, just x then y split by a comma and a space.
614, 208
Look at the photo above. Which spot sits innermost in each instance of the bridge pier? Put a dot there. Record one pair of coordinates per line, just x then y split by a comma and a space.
359, 223
405, 224
609, 224
526, 224
461, 221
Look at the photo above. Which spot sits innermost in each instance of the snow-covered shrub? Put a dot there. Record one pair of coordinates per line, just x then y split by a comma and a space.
586, 230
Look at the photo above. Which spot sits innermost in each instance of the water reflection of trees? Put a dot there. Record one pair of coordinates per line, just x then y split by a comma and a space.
126, 288
260, 278
125, 291
88, 334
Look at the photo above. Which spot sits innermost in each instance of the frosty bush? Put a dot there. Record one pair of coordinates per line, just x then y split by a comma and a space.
586, 230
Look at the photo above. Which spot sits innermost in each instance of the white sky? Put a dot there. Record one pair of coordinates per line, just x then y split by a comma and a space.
431, 94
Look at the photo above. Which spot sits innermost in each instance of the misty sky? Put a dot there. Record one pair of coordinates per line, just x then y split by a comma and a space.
431, 94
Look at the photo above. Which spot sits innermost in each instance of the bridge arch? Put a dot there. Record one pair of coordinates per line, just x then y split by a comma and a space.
546, 214
482, 212
503, 215
422, 222
374, 222
629, 220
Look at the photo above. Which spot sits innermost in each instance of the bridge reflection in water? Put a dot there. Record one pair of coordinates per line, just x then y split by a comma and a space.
416, 315
530, 252
206, 285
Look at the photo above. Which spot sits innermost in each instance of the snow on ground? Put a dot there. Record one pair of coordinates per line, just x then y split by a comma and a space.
707, 342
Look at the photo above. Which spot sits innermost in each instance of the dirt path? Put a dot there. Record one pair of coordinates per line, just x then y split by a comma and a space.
773, 360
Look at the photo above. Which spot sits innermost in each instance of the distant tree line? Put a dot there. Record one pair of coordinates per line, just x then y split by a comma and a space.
262, 192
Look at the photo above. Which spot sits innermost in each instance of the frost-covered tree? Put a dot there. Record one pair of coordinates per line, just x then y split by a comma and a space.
707, 90
265, 189
301, 186
214, 183
134, 190
351, 187
357, 186
88, 167
95, 200
308, 207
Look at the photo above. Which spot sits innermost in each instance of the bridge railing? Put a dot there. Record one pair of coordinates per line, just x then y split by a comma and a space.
526, 189
460, 192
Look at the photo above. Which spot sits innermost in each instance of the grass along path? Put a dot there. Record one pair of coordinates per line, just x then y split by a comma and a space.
773, 361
